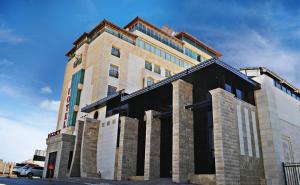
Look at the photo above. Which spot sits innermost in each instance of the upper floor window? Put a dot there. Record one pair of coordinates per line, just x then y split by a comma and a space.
239, 94
286, 90
148, 65
150, 81
228, 87
114, 71
115, 52
111, 90
157, 69
167, 73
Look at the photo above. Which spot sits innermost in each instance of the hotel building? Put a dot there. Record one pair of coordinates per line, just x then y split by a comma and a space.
141, 102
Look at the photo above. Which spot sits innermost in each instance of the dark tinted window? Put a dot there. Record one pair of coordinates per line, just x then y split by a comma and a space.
239, 94
115, 52
111, 90
228, 87
96, 114
38, 168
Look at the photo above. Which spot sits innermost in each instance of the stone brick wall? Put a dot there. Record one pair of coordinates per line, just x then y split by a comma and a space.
152, 146
236, 141
88, 159
183, 137
75, 165
62, 144
127, 151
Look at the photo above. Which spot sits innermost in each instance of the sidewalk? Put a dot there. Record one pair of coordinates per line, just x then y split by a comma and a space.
92, 181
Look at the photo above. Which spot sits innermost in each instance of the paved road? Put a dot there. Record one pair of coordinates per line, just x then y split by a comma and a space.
80, 181
25, 181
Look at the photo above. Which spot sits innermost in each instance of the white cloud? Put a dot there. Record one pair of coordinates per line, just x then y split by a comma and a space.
46, 90
252, 49
10, 91
19, 140
7, 36
50, 105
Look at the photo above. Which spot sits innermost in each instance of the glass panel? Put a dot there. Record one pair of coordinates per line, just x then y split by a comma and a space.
239, 94
150, 81
111, 90
115, 52
157, 69
114, 71
148, 65
228, 87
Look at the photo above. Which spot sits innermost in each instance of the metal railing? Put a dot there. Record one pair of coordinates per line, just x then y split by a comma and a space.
291, 173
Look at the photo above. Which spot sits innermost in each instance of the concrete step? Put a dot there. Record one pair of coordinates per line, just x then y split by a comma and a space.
203, 179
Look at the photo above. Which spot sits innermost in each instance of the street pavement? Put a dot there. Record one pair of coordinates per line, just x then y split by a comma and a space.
79, 181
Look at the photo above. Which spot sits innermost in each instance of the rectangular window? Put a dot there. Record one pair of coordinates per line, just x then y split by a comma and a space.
111, 90
150, 81
239, 94
157, 52
168, 57
114, 71
228, 87
167, 73
163, 54
115, 52
147, 46
157, 69
148, 65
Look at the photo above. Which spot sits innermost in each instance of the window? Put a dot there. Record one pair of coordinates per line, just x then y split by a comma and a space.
96, 114
286, 90
114, 71
148, 65
157, 69
111, 90
239, 94
167, 73
163, 54
115, 52
228, 87
150, 81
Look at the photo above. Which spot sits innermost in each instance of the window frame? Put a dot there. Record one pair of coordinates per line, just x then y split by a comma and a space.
115, 54
147, 63
111, 71
111, 87
157, 69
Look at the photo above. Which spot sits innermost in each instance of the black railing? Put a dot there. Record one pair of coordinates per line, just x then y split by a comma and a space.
291, 173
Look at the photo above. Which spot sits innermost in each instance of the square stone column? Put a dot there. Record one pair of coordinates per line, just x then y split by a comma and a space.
62, 144
152, 146
127, 152
75, 165
226, 138
183, 132
88, 166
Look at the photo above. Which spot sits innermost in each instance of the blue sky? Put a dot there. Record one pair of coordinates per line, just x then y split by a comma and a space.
35, 35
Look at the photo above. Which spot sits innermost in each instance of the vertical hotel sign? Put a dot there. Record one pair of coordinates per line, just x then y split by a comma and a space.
66, 108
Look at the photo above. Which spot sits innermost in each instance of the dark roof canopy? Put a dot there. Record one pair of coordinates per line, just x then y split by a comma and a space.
184, 75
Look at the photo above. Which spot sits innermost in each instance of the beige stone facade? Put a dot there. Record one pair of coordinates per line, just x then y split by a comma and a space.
140, 103
94, 53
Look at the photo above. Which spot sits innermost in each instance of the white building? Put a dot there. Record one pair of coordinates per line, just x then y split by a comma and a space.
278, 105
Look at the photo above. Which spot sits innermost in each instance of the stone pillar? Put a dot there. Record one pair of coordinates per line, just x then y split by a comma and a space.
75, 165
63, 144
269, 126
152, 146
88, 166
226, 138
127, 152
183, 136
